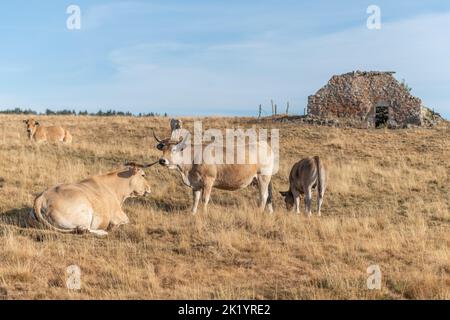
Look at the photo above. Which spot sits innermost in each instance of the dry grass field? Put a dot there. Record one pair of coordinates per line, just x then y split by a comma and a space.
387, 203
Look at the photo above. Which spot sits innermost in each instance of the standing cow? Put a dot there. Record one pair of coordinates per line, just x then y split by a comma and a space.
176, 127
202, 177
306, 175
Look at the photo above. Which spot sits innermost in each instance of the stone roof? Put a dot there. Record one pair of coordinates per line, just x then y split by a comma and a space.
368, 73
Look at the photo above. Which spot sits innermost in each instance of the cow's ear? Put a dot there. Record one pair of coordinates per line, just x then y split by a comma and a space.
181, 146
183, 142
36, 123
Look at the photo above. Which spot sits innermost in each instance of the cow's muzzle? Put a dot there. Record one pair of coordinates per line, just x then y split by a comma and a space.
163, 162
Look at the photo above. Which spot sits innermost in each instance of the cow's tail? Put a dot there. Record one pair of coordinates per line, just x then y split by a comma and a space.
320, 182
36, 213
67, 137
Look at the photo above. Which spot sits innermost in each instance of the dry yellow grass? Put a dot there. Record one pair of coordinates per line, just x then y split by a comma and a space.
387, 203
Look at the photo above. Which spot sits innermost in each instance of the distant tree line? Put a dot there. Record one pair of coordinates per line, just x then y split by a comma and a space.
67, 112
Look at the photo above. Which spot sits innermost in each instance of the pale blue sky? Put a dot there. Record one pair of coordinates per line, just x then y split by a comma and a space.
213, 57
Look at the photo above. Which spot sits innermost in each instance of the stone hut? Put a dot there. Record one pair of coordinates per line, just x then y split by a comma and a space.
372, 99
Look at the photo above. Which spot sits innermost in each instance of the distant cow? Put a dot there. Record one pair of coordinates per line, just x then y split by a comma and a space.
40, 133
93, 205
176, 124
203, 177
175, 128
306, 175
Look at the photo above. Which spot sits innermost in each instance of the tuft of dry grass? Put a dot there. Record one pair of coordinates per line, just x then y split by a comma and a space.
387, 204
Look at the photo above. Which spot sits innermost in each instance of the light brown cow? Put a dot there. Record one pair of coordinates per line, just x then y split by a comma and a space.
93, 205
306, 175
40, 133
203, 177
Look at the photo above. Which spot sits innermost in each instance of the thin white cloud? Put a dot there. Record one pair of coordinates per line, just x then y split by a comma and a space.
99, 15
223, 75
10, 68
122, 12
238, 75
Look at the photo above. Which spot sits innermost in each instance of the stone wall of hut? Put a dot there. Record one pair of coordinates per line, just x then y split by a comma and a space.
357, 96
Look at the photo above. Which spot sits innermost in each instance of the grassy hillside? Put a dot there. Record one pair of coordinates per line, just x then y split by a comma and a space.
387, 203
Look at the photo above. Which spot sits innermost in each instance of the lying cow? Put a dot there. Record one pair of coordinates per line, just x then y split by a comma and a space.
306, 175
40, 133
203, 177
93, 205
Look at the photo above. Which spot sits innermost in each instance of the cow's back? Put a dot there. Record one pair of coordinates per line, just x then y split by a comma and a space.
303, 174
241, 170
55, 134
50, 134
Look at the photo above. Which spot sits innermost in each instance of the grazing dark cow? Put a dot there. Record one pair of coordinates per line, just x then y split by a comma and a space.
306, 175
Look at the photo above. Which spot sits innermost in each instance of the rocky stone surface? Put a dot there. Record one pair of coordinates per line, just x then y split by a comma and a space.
431, 118
356, 97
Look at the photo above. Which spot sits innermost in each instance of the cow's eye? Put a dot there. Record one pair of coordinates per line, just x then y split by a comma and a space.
160, 146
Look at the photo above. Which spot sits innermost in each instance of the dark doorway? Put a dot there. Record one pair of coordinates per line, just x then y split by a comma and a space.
381, 116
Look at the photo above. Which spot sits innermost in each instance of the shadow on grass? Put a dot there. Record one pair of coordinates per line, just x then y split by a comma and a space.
16, 217
18, 220
166, 205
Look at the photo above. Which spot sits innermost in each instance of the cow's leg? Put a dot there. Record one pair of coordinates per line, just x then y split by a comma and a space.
308, 196
319, 201
206, 195
100, 233
118, 219
97, 232
296, 196
196, 194
263, 183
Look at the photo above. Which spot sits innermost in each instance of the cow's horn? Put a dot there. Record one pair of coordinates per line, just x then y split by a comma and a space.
151, 164
131, 164
156, 138
143, 166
